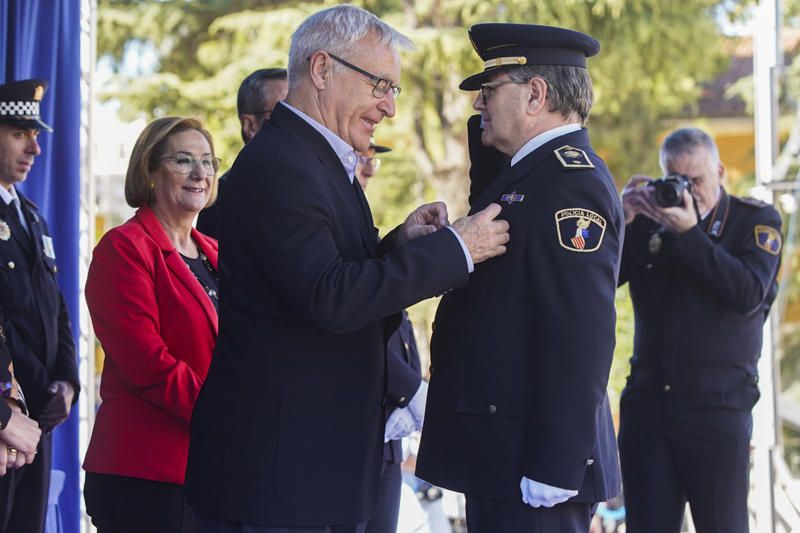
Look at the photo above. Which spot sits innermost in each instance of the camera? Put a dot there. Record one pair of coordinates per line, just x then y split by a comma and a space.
668, 190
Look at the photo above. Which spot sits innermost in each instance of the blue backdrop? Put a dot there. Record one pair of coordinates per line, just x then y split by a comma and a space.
41, 39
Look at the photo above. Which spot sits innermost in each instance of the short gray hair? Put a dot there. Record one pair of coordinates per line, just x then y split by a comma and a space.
685, 141
569, 88
335, 30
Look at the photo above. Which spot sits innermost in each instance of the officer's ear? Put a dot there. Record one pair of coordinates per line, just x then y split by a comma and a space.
721, 171
538, 95
319, 69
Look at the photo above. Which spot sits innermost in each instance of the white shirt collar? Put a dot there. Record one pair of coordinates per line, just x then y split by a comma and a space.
9, 196
541, 139
346, 154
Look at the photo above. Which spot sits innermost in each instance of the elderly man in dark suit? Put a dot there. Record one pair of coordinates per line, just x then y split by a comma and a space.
288, 430
517, 415
37, 327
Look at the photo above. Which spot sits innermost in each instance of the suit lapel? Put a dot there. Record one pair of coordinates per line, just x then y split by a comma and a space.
321, 148
524, 167
177, 266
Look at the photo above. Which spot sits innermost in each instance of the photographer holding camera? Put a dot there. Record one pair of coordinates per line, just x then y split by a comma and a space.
701, 266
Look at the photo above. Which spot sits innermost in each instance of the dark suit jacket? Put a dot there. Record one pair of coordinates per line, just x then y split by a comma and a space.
403, 378
158, 328
288, 429
520, 357
9, 387
208, 219
37, 327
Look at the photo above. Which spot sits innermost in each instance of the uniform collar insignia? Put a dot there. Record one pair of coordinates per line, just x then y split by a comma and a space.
571, 157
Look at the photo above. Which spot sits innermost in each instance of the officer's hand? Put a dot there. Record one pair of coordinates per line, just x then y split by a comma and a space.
635, 196
484, 236
676, 219
399, 424
57, 409
538, 494
425, 219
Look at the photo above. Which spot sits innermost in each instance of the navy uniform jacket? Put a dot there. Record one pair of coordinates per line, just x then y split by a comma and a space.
700, 300
9, 388
520, 357
37, 326
288, 428
403, 378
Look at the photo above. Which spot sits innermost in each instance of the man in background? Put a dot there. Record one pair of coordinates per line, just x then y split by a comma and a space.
701, 270
37, 328
258, 95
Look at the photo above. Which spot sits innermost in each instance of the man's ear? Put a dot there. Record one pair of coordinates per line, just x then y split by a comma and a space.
538, 95
319, 69
249, 125
721, 171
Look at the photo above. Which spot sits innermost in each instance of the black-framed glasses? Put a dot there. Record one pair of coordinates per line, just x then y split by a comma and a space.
382, 86
487, 89
183, 164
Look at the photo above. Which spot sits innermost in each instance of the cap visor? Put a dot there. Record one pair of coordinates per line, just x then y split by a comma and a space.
27, 123
473, 83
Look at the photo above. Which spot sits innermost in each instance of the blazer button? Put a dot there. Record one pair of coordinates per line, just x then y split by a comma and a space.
492, 409
402, 399
589, 462
11, 265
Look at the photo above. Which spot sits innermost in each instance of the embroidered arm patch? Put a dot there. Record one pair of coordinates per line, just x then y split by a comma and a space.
580, 230
768, 239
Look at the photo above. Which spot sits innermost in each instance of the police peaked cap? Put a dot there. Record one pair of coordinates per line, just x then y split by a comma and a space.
503, 46
19, 103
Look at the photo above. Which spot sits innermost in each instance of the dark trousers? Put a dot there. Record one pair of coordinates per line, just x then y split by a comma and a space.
487, 515
386, 515
207, 524
119, 504
678, 448
24, 491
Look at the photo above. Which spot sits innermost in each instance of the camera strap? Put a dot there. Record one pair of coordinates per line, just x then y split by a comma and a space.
719, 215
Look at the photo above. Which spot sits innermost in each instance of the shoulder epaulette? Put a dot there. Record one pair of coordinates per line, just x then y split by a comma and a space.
571, 157
754, 202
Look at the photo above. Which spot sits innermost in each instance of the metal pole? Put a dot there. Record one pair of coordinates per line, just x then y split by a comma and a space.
766, 54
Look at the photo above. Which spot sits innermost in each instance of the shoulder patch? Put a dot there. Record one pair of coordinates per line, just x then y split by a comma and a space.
580, 230
572, 157
755, 202
768, 239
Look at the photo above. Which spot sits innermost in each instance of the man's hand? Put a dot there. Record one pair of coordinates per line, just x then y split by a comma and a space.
423, 220
57, 409
538, 494
400, 424
635, 197
676, 219
18, 440
483, 236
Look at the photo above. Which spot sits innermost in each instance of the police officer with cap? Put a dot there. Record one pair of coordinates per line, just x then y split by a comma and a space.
36, 326
701, 273
517, 415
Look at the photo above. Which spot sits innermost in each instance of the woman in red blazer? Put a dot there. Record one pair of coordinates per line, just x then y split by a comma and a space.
152, 295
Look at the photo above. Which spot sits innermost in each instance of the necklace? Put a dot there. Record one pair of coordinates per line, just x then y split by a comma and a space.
212, 292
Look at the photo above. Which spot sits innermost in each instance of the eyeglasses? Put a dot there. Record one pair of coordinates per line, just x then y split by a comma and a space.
382, 86
267, 112
488, 88
183, 164
374, 161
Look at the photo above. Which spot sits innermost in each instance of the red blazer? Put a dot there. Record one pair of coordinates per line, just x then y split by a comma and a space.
158, 329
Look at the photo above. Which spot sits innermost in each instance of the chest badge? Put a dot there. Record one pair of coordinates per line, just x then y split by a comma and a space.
47, 246
768, 239
512, 197
580, 230
655, 242
571, 157
5, 231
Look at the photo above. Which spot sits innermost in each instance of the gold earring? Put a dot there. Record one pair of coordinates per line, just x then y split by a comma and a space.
152, 185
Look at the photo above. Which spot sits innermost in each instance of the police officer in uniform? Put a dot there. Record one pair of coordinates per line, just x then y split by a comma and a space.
702, 277
37, 327
517, 416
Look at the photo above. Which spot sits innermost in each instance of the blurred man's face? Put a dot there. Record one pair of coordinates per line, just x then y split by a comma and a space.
18, 149
367, 166
274, 92
705, 173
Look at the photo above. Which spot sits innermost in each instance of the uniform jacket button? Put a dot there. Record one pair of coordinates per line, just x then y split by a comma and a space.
11, 265
589, 462
492, 409
667, 388
402, 399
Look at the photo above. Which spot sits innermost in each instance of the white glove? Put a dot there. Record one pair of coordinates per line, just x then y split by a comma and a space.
417, 404
400, 424
538, 494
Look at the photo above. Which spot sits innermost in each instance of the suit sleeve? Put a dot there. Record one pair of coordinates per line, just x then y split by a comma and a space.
485, 162
122, 300
743, 279
37, 381
574, 339
403, 377
291, 224
9, 388
66, 365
